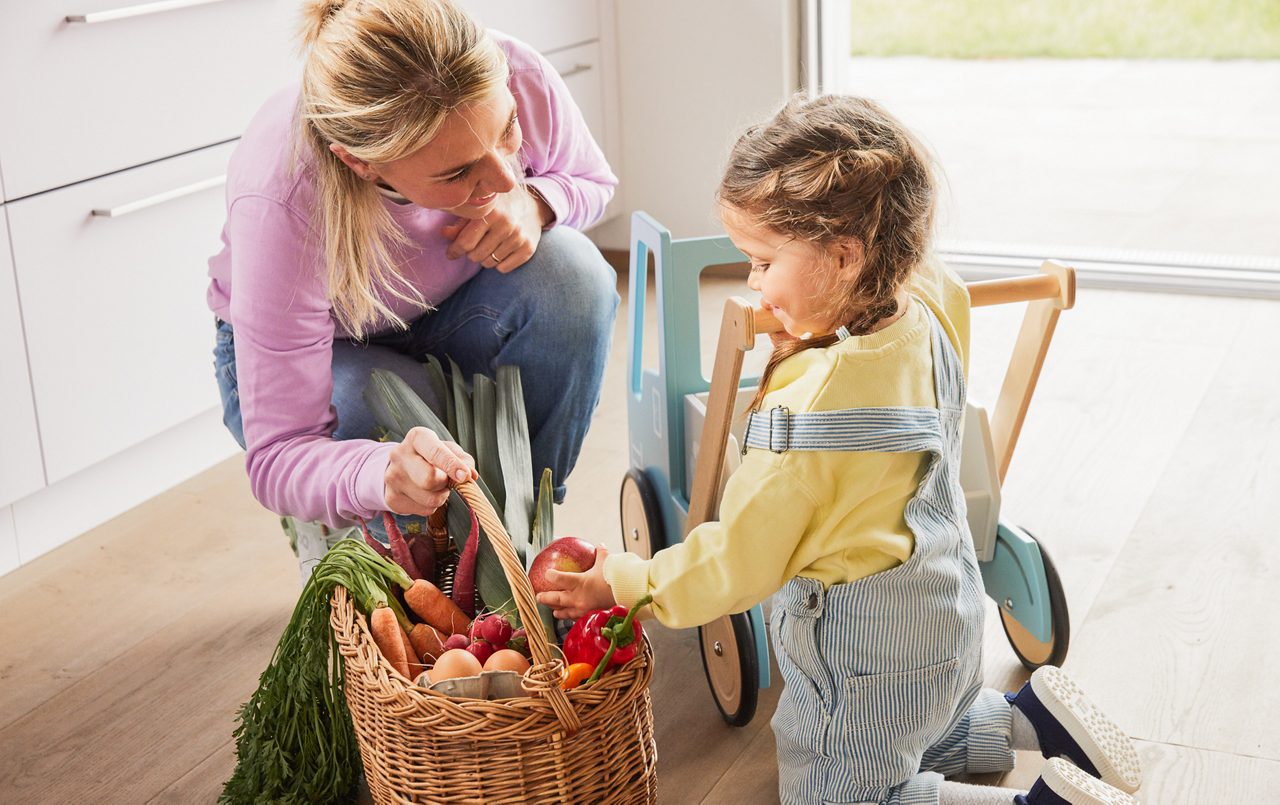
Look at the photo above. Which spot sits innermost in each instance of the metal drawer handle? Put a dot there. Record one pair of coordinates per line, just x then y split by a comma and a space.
574, 70
160, 198
137, 11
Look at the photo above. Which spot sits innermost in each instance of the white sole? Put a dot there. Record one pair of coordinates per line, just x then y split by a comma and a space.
1106, 745
1078, 787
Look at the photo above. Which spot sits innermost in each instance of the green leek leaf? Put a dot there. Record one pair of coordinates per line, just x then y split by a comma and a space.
443, 391
462, 410
517, 465
484, 408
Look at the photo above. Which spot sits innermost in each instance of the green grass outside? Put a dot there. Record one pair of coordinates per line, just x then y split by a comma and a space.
1068, 29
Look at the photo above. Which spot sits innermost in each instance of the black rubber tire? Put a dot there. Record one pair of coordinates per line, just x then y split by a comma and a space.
1031, 652
738, 710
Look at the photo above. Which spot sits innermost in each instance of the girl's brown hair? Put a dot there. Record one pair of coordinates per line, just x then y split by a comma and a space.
380, 78
828, 171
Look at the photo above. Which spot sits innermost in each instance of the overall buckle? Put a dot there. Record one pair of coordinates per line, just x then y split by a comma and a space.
786, 428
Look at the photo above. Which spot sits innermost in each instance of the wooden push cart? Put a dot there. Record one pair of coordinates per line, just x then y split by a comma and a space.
685, 430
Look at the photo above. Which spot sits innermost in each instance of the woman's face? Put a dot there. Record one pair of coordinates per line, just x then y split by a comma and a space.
466, 165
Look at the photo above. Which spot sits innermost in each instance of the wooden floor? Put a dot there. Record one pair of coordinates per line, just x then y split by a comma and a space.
1150, 466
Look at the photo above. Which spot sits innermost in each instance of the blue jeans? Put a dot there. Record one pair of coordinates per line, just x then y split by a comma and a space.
552, 317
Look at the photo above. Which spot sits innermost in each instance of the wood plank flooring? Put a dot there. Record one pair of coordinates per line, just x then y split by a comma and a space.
1149, 464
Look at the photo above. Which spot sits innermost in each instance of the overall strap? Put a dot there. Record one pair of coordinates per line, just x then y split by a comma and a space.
870, 430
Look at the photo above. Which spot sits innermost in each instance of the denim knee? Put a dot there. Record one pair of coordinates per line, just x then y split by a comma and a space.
578, 284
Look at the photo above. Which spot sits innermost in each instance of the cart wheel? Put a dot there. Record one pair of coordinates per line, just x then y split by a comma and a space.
641, 518
729, 658
1031, 651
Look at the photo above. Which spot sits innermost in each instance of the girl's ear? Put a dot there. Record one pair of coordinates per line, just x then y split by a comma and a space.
361, 168
851, 256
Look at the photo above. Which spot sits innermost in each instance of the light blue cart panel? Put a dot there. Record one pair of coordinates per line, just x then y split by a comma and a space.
655, 399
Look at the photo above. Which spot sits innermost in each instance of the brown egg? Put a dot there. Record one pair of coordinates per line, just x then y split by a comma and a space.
454, 663
507, 660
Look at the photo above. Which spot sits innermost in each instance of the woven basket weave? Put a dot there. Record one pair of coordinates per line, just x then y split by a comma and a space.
587, 745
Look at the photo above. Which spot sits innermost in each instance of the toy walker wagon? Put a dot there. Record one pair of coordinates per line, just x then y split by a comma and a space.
685, 431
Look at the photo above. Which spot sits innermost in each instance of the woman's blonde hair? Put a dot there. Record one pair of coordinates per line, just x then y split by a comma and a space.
827, 171
380, 78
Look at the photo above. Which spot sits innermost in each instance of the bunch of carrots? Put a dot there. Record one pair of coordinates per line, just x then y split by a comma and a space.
412, 647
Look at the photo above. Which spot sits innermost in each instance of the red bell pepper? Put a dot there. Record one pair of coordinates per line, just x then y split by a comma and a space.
605, 638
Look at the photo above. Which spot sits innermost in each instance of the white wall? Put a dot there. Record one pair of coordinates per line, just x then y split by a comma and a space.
691, 76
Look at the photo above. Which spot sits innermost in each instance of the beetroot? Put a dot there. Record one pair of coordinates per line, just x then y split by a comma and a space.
482, 650
496, 629
457, 641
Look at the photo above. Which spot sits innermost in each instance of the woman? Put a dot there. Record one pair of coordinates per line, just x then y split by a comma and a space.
418, 194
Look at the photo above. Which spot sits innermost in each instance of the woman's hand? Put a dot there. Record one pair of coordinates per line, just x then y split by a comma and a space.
508, 234
420, 470
575, 594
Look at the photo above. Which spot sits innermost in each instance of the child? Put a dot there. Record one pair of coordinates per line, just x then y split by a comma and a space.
847, 507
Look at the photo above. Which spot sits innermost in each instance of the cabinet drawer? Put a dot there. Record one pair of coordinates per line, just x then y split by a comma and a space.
580, 68
546, 25
82, 99
118, 332
21, 471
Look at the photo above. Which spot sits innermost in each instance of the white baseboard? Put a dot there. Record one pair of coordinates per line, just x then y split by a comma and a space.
59, 513
8, 541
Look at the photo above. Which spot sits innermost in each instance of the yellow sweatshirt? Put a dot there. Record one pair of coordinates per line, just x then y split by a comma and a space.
832, 516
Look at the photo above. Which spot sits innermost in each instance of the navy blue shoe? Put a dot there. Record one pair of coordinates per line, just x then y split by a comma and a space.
1064, 784
1069, 725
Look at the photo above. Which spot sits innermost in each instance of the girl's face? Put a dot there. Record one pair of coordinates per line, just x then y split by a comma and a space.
464, 168
794, 278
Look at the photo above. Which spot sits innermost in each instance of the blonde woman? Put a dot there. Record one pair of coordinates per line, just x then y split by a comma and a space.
419, 193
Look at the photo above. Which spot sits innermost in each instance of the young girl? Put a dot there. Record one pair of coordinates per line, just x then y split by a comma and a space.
847, 507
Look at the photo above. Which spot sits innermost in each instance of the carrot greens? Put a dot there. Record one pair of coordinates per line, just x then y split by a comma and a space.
295, 742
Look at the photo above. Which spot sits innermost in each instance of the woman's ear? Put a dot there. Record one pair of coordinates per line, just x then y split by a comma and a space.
361, 168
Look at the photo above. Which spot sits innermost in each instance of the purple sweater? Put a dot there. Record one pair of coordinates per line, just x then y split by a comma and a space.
269, 282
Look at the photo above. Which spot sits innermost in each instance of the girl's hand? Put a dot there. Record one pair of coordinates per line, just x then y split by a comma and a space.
575, 594
420, 470
508, 234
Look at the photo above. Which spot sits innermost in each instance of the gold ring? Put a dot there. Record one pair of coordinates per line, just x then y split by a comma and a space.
494, 257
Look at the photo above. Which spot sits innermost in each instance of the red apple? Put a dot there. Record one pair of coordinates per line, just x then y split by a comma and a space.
566, 554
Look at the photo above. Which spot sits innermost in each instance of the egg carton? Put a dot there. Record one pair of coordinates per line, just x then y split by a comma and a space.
487, 685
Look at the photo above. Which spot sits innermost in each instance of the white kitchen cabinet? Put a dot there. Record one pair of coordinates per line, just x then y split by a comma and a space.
118, 333
546, 25
21, 471
581, 69
82, 99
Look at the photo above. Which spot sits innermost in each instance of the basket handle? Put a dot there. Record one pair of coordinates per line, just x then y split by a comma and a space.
546, 675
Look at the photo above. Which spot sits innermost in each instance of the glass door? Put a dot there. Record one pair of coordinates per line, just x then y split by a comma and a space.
1137, 139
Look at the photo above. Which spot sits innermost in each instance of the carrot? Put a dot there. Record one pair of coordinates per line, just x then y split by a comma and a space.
389, 638
372, 541
464, 575
434, 607
426, 641
399, 548
414, 661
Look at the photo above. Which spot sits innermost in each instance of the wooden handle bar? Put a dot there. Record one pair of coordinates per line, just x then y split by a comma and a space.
1055, 281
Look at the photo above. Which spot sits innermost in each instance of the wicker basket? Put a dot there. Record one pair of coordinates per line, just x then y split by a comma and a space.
587, 745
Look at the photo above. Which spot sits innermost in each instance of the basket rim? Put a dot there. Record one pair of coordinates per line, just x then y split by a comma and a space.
352, 635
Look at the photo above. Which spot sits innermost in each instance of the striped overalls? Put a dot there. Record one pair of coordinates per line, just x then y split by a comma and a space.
883, 675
